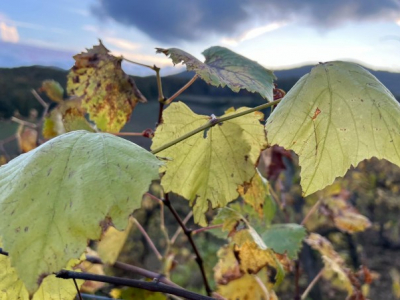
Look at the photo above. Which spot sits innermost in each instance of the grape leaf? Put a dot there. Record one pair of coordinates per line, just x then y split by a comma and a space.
224, 67
11, 287
336, 207
208, 166
238, 264
246, 287
335, 266
67, 116
108, 94
284, 238
333, 118
56, 197
112, 241
53, 90
255, 193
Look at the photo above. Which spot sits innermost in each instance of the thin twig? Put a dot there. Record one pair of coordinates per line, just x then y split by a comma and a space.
181, 90
148, 239
126, 133
312, 284
164, 229
39, 99
22, 122
161, 97
187, 232
139, 64
311, 211
150, 286
135, 269
160, 113
275, 197
77, 289
179, 230
196, 231
212, 123
263, 287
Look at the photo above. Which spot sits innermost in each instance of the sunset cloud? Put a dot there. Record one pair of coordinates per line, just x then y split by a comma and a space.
8, 33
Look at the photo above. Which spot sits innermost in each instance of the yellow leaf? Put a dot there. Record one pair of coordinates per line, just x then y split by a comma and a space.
27, 138
335, 267
344, 215
253, 259
255, 193
112, 242
108, 94
51, 288
208, 167
246, 287
88, 267
227, 268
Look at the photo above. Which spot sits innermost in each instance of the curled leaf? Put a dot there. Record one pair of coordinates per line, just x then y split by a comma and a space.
224, 67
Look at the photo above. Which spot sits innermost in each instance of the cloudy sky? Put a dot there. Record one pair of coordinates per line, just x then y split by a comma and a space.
279, 34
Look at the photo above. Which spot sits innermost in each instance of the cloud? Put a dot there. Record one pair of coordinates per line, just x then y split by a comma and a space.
176, 20
252, 33
9, 33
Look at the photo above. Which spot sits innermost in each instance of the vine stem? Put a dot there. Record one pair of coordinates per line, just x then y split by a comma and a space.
179, 230
134, 269
148, 239
196, 231
181, 90
310, 212
126, 133
214, 122
77, 290
188, 234
312, 284
150, 286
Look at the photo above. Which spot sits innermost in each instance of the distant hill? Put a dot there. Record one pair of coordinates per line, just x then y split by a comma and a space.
16, 84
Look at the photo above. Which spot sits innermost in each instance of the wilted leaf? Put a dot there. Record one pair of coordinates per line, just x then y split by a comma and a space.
227, 268
112, 242
255, 193
27, 138
343, 214
335, 266
333, 118
108, 94
66, 188
85, 266
284, 238
53, 90
224, 67
238, 227
208, 167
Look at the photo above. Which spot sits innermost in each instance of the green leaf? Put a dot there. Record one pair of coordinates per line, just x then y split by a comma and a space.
224, 67
53, 90
285, 238
57, 196
209, 166
334, 117
108, 94
11, 287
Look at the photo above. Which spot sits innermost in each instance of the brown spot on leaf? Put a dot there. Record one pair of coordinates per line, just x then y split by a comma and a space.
316, 113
